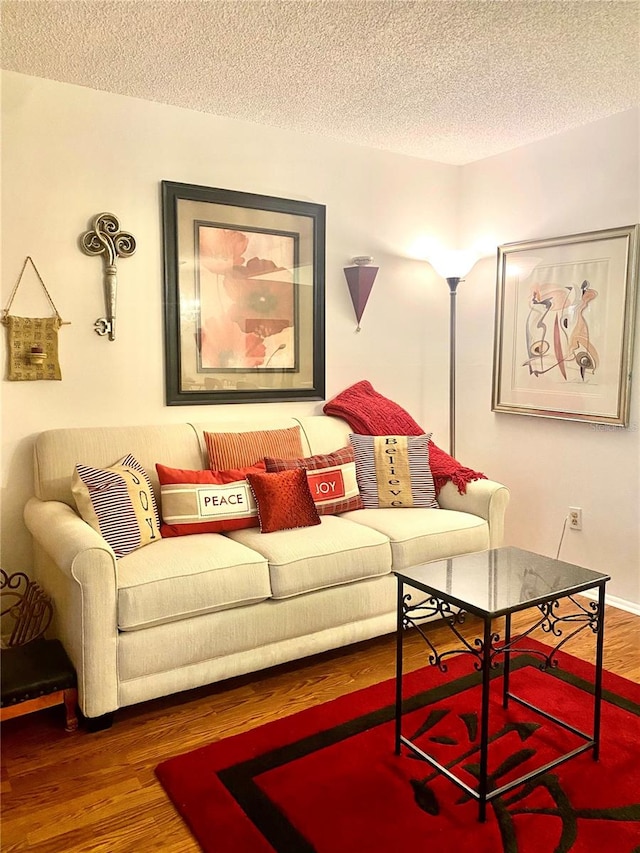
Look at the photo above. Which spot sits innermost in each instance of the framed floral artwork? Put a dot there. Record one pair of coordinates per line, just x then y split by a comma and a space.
565, 312
244, 297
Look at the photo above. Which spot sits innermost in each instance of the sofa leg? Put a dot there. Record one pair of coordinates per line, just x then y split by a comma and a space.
99, 724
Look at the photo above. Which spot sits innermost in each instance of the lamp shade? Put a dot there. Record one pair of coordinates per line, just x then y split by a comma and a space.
453, 263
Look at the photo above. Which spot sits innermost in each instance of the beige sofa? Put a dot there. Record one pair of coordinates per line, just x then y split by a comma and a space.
188, 611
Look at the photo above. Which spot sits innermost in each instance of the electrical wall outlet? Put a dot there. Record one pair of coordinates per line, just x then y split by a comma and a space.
575, 517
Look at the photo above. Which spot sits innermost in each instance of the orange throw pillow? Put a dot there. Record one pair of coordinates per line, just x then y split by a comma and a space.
240, 449
284, 500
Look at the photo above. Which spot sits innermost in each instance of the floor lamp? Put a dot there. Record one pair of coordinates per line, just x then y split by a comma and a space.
453, 266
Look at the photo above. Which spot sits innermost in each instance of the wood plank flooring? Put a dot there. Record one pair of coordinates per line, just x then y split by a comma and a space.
97, 793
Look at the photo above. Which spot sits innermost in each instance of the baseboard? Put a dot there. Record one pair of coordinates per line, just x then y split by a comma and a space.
613, 601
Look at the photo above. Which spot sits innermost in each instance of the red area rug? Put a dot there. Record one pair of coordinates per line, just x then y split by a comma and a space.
326, 780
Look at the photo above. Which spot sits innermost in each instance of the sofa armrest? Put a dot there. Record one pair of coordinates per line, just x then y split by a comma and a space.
63, 534
484, 498
79, 572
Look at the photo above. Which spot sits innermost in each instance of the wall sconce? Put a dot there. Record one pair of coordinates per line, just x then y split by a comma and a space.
360, 278
453, 266
107, 239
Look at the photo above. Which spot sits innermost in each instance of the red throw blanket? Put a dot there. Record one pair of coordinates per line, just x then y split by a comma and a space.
369, 413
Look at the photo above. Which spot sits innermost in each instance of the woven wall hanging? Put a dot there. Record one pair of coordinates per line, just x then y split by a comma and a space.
32, 341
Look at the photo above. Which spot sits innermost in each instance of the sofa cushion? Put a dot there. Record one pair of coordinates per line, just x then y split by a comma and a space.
393, 471
284, 500
57, 451
177, 578
420, 535
119, 503
206, 501
331, 476
323, 433
240, 449
269, 633
332, 553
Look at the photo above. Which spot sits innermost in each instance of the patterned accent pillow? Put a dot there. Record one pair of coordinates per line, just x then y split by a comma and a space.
331, 477
206, 501
119, 503
284, 500
241, 449
393, 470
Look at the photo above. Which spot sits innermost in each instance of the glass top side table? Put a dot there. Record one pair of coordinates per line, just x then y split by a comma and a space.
491, 584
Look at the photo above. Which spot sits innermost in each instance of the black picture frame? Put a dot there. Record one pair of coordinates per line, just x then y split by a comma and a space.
244, 297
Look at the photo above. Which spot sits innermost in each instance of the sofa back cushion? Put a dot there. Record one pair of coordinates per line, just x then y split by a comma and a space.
324, 434
58, 451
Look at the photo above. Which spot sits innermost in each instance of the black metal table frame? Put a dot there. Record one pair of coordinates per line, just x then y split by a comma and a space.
485, 651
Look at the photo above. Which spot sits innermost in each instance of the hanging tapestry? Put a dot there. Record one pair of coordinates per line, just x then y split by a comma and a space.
32, 341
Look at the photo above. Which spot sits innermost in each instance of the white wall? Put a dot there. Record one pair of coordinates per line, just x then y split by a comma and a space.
583, 180
69, 153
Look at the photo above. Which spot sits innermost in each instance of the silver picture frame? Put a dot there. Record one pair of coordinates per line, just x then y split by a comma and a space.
564, 327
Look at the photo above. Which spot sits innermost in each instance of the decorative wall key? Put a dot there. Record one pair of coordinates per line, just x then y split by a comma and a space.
106, 239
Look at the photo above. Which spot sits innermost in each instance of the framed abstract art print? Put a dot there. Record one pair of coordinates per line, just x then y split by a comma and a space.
244, 296
565, 311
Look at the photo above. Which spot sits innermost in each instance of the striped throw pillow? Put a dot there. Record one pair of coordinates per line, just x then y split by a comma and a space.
119, 503
331, 477
242, 449
393, 471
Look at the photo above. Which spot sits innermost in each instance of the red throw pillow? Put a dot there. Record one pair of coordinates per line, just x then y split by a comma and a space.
331, 477
206, 501
284, 500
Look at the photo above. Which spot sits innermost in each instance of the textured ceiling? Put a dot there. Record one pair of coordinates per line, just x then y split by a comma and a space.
449, 81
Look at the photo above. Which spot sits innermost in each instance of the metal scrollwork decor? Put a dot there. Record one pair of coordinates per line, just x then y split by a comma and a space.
26, 610
106, 238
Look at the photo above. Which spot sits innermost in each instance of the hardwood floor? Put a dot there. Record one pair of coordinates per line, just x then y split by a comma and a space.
85, 792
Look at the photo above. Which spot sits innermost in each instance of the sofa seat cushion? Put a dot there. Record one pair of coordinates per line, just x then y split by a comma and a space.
174, 579
420, 535
335, 552
166, 652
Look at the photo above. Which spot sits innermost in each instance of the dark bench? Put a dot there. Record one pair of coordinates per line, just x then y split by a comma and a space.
36, 673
